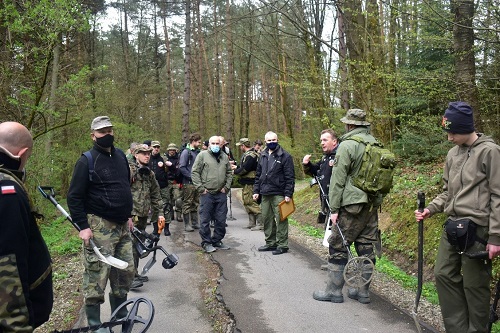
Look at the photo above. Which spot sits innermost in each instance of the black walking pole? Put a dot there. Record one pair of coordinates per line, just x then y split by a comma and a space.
421, 206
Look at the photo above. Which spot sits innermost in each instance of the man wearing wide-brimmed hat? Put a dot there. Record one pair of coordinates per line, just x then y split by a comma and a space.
352, 209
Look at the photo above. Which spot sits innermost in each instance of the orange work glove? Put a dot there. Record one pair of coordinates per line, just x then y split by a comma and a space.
161, 224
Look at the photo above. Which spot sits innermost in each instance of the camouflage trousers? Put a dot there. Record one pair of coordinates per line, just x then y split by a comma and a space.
140, 222
165, 197
251, 206
359, 224
169, 195
190, 199
111, 239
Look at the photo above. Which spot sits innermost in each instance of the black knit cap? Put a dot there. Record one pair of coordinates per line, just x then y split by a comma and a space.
458, 118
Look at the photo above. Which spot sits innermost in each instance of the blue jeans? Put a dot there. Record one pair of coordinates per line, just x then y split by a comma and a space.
213, 207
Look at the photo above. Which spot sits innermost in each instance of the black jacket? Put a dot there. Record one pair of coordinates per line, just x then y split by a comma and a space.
25, 264
160, 173
108, 195
173, 171
322, 170
275, 173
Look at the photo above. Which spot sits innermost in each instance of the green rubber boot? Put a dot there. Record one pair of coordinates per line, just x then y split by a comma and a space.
115, 303
334, 285
93, 313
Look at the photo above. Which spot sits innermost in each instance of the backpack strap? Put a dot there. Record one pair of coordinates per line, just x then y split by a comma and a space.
90, 161
361, 140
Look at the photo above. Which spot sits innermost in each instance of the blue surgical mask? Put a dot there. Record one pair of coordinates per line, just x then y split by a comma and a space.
215, 149
272, 145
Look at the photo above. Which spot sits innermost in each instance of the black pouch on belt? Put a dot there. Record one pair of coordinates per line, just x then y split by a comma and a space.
461, 233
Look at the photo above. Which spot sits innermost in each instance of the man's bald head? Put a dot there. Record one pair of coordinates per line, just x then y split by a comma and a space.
15, 141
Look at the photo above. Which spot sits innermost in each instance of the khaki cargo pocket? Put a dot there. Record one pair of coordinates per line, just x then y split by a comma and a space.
91, 261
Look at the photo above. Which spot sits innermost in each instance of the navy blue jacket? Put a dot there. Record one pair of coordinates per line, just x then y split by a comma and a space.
275, 174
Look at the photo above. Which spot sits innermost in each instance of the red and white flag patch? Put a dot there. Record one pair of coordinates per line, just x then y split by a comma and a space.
10, 189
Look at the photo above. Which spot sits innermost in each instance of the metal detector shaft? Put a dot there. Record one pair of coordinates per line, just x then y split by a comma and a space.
48, 193
323, 194
230, 217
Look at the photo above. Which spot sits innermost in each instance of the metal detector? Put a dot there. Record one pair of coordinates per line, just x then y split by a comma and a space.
170, 260
356, 267
48, 193
141, 315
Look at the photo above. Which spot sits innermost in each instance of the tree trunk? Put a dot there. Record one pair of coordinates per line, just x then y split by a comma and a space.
230, 95
168, 74
463, 46
187, 74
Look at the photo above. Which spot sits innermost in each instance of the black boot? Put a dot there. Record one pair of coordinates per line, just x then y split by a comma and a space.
93, 313
166, 230
115, 303
155, 228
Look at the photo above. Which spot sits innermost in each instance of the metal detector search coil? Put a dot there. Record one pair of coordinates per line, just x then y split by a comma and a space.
170, 261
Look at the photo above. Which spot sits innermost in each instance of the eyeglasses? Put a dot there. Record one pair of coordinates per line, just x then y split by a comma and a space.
156, 147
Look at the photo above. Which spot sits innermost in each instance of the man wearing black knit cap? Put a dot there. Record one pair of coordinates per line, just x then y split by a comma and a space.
470, 199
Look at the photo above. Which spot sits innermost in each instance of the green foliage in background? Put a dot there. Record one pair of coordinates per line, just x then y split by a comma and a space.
61, 237
420, 140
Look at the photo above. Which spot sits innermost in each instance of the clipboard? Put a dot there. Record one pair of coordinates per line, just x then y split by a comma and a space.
286, 208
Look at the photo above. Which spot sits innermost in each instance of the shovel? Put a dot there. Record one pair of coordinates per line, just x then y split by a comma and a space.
48, 193
421, 206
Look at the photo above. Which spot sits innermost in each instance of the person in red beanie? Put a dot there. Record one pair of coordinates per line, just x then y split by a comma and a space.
471, 201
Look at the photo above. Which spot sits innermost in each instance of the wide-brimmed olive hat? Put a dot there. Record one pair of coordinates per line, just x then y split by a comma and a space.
355, 117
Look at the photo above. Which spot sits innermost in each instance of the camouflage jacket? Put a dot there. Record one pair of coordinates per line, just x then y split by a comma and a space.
26, 295
145, 192
248, 165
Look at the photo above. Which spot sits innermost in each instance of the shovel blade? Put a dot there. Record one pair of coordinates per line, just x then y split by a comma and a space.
148, 265
110, 260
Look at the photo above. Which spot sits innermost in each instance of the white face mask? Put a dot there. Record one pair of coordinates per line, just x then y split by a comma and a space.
226, 149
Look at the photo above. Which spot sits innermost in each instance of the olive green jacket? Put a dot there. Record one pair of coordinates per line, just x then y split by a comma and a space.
346, 165
211, 172
472, 186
